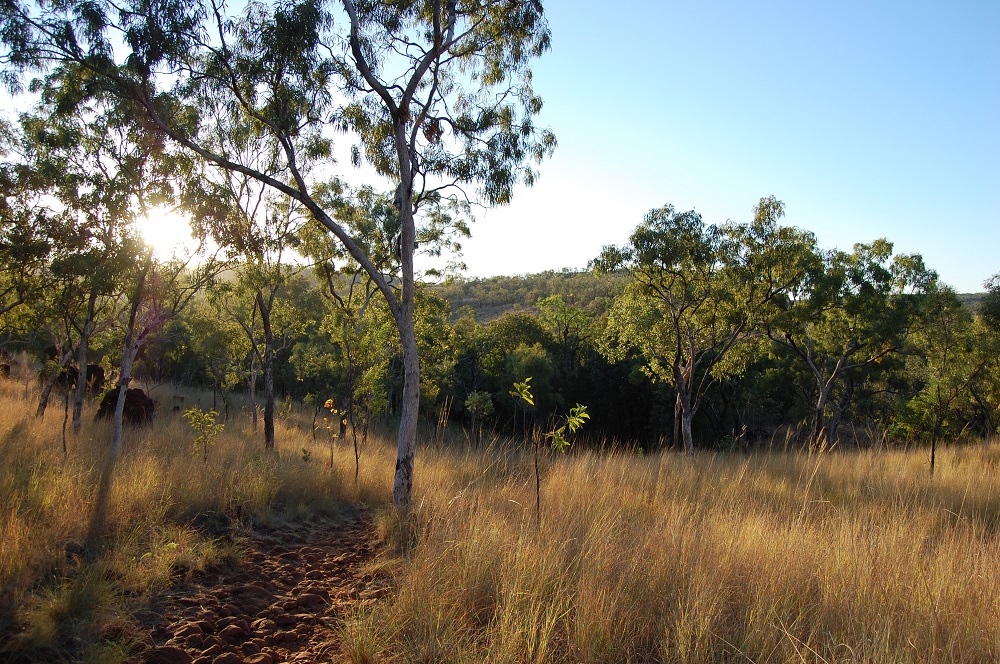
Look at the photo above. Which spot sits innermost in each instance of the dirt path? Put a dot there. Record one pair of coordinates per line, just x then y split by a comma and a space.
281, 603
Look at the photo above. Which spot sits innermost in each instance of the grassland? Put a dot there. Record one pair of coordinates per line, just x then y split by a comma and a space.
170, 515
845, 556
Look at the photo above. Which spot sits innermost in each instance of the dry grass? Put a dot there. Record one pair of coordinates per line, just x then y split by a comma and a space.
845, 557
169, 516
842, 557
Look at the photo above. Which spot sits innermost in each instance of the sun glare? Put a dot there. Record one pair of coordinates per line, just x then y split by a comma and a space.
167, 233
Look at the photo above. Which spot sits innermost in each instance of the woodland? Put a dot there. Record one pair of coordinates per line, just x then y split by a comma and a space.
717, 441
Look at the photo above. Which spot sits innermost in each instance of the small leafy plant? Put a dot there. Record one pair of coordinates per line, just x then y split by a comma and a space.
557, 437
332, 424
572, 422
206, 429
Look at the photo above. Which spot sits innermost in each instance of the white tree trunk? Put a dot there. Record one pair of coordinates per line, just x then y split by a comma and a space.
81, 363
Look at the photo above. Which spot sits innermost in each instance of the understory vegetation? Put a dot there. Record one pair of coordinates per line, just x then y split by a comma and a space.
650, 557
171, 515
774, 557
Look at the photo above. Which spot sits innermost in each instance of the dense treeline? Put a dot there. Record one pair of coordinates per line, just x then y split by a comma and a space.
690, 335
715, 336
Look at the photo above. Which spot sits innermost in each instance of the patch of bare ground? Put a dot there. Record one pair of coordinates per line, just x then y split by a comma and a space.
281, 603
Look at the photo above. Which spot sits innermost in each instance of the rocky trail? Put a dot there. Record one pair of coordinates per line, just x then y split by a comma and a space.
281, 603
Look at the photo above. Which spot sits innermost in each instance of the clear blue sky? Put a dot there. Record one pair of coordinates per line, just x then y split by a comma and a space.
867, 119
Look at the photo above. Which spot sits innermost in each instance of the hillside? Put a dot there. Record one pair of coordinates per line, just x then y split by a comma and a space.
492, 296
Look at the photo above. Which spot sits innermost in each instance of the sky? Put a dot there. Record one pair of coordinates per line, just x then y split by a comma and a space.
866, 119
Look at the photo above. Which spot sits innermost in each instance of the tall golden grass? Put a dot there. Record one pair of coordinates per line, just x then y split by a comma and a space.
783, 557
169, 516
840, 557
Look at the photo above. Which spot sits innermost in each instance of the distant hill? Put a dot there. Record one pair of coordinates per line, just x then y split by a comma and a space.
971, 300
492, 296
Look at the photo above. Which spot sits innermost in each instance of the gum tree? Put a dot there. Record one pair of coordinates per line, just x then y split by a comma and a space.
858, 310
435, 96
699, 295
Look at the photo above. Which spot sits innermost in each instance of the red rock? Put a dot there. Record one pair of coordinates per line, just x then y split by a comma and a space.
250, 648
264, 626
228, 658
165, 655
232, 634
213, 641
260, 658
202, 660
310, 599
187, 630
234, 620
284, 619
212, 651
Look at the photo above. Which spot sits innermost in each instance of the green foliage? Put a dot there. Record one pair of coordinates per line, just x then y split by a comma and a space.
481, 403
989, 306
572, 422
206, 429
700, 295
522, 392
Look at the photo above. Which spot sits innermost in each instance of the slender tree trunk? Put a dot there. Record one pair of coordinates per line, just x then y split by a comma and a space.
66, 413
63, 360
265, 319
253, 388
128, 359
133, 341
818, 420
402, 486
687, 418
81, 362
43, 399
676, 441
685, 385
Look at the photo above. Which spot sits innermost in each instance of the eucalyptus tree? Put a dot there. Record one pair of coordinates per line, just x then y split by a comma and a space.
30, 225
700, 295
219, 344
102, 171
949, 354
858, 310
435, 93
258, 229
157, 292
989, 307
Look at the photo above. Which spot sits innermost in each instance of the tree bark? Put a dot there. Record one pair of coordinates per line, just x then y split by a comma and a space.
63, 360
818, 421
265, 319
677, 441
402, 486
81, 362
253, 388
684, 384
133, 341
